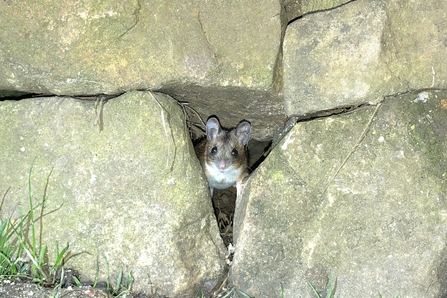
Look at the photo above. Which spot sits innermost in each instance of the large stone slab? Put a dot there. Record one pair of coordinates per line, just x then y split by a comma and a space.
361, 52
129, 191
360, 197
230, 50
89, 47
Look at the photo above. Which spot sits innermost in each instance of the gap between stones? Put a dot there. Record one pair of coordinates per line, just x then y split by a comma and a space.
224, 201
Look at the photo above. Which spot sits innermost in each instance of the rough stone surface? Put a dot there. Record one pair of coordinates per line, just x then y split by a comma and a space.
133, 193
87, 47
90, 47
360, 197
363, 51
297, 8
265, 110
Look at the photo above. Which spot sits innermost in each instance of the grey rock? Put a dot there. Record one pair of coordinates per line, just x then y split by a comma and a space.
112, 47
359, 197
109, 47
264, 109
298, 8
132, 194
361, 52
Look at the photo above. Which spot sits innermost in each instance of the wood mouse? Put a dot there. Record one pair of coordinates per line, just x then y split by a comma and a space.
223, 155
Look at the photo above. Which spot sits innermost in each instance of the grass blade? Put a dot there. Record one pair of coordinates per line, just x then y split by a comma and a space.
59, 256
314, 290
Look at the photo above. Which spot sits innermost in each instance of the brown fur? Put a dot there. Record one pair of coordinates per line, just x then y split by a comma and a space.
203, 152
224, 143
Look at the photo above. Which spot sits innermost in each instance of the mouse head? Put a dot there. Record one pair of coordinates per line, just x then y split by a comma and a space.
226, 148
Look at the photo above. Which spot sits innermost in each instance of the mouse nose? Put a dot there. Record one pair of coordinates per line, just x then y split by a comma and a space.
222, 165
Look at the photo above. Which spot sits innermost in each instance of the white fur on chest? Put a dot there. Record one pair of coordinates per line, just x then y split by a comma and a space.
222, 179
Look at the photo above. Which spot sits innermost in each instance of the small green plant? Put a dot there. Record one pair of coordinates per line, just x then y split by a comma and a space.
59, 285
10, 251
331, 288
123, 284
23, 255
243, 294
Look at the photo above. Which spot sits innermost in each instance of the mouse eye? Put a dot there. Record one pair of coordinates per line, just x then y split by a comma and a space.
234, 153
214, 150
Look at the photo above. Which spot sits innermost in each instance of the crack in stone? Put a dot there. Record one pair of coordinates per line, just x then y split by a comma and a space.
317, 10
136, 14
202, 28
293, 120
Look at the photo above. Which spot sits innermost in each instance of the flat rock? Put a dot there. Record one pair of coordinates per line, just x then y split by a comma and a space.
361, 52
126, 194
220, 57
110, 47
359, 197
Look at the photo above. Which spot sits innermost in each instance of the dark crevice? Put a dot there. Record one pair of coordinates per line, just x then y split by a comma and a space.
17, 95
317, 11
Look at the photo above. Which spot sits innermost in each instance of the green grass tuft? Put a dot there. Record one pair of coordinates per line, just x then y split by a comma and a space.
22, 254
123, 284
331, 288
24, 257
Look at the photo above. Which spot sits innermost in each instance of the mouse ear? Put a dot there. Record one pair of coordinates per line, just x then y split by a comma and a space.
243, 132
212, 128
